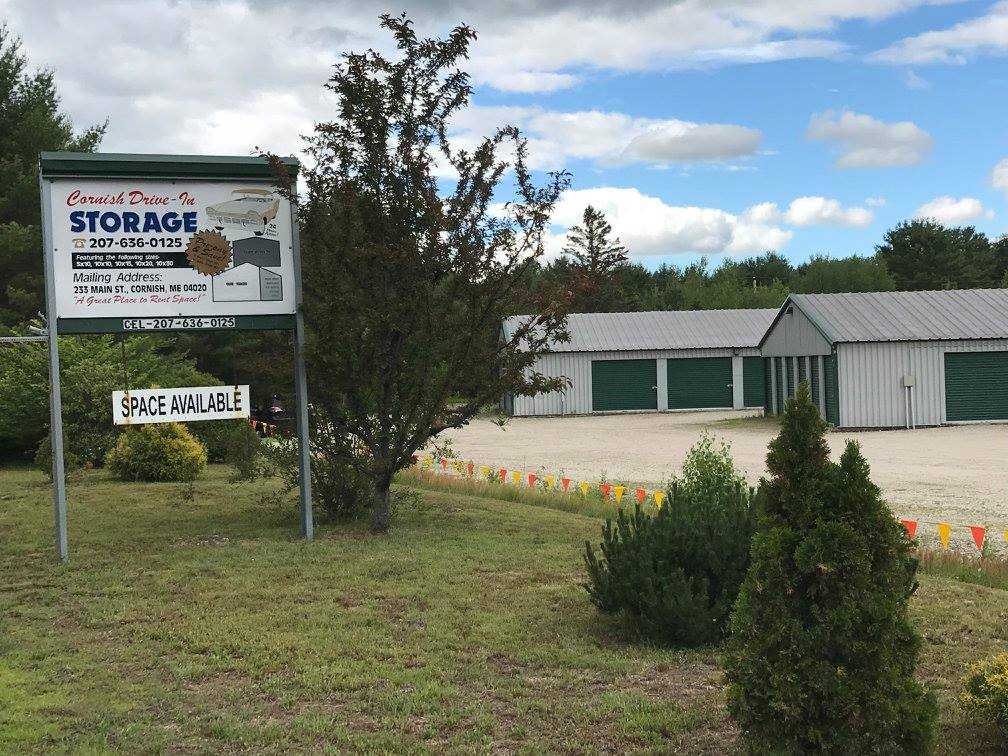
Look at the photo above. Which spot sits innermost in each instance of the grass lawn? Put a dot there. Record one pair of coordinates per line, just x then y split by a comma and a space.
207, 625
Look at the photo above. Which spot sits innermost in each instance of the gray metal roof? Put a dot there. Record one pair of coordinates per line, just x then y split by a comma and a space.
908, 315
694, 329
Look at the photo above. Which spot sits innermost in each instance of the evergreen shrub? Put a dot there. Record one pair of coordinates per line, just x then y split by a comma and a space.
674, 575
157, 452
986, 693
822, 652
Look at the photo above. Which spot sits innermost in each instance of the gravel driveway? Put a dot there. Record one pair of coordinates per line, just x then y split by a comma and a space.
958, 474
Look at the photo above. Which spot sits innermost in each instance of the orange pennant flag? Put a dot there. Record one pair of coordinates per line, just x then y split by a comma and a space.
470, 467
444, 464
658, 496
255, 424
531, 480
416, 459
911, 527
641, 495
605, 488
503, 473
565, 483
619, 493
584, 489
944, 529
517, 477
979, 536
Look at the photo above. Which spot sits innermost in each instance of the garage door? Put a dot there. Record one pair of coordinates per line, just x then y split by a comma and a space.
624, 385
699, 383
976, 386
753, 382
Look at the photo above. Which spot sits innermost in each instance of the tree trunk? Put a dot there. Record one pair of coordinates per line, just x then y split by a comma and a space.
382, 508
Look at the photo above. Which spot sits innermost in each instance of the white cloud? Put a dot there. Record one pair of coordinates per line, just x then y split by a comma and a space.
999, 176
950, 211
875, 201
984, 34
608, 138
648, 226
814, 211
915, 81
866, 142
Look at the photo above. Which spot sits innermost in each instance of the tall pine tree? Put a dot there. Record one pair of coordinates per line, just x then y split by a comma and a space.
823, 653
30, 122
596, 258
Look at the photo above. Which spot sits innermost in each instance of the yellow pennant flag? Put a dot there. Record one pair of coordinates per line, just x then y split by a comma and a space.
943, 532
549, 481
517, 478
458, 466
484, 470
584, 489
427, 461
619, 493
658, 496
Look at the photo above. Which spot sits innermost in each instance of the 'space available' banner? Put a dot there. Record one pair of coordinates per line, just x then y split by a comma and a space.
180, 405
177, 249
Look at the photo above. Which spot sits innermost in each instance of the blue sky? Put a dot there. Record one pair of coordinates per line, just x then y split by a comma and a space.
701, 127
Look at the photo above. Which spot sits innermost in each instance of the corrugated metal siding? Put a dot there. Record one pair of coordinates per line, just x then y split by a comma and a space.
780, 382
794, 334
789, 370
871, 380
672, 329
909, 315
814, 379
576, 367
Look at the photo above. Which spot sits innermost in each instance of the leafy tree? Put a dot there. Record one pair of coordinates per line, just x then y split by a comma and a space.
822, 653
30, 122
406, 280
91, 368
764, 270
924, 255
827, 275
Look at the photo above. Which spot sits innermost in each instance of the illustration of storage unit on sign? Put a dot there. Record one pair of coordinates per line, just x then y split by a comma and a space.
247, 208
247, 283
259, 251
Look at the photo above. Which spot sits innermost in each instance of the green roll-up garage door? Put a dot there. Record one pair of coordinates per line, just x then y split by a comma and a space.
976, 386
753, 382
700, 382
832, 389
624, 385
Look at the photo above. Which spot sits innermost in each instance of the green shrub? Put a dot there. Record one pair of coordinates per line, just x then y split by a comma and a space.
337, 487
822, 652
674, 575
157, 452
986, 692
91, 368
44, 461
233, 442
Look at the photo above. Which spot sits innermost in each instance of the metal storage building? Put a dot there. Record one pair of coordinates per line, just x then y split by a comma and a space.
893, 359
658, 361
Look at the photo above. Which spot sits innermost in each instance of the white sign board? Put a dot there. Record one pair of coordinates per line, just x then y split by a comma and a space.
180, 405
190, 253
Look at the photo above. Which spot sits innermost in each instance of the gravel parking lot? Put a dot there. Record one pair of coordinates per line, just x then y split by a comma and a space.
957, 474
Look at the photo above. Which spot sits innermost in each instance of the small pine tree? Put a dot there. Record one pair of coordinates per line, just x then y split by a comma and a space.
822, 653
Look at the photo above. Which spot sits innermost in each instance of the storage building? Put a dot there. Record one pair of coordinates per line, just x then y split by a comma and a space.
639, 361
893, 359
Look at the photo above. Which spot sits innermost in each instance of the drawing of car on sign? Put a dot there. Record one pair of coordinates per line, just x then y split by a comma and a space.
247, 208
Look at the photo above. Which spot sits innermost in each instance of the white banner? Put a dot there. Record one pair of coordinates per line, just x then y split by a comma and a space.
149, 248
179, 405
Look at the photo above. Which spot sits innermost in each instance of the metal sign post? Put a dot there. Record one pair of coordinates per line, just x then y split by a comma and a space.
168, 243
55, 398
301, 388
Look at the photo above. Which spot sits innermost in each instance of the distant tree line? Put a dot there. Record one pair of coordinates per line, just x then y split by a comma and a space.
915, 255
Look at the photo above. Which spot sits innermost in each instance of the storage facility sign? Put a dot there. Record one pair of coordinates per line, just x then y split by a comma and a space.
180, 405
170, 253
